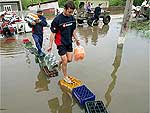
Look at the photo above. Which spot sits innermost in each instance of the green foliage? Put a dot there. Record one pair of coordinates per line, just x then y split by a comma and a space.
141, 26
117, 2
123, 2
137, 2
26, 3
76, 2
62, 3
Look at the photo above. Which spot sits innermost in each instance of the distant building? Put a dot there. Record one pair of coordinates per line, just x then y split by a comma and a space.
105, 3
49, 8
10, 5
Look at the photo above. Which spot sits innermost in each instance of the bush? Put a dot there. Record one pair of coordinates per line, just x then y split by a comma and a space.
137, 2
117, 3
62, 3
26, 3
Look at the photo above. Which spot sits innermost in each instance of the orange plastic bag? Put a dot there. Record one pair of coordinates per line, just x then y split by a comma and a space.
79, 53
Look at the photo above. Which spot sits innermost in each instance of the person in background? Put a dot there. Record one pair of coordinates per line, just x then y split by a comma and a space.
144, 3
88, 7
2, 17
63, 29
97, 12
92, 5
57, 12
37, 31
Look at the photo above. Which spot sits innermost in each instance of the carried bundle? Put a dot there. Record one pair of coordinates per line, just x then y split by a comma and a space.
79, 53
31, 17
50, 61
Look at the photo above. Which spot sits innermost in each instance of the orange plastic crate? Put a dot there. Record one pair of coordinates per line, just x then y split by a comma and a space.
75, 83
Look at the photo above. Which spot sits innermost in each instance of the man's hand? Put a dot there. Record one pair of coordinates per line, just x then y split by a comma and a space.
49, 49
77, 42
37, 20
33, 23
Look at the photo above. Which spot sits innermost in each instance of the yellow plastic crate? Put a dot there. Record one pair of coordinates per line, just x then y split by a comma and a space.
75, 83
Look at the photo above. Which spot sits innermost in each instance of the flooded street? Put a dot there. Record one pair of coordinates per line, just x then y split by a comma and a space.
117, 76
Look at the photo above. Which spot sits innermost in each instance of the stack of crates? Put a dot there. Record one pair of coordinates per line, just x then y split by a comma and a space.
50, 61
86, 98
28, 45
33, 51
41, 60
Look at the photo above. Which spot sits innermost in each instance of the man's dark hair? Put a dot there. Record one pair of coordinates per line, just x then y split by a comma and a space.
39, 10
100, 4
70, 5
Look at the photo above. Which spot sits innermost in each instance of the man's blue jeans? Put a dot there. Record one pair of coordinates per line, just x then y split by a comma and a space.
38, 38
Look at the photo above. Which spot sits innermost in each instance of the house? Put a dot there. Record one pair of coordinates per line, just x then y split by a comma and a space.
10, 5
49, 8
105, 3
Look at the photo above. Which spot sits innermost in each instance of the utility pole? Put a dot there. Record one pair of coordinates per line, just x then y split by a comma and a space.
39, 4
125, 26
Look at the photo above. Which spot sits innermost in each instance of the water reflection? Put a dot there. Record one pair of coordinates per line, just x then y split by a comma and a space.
67, 103
117, 61
93, 32
116, 65
42, 83
10, 46
54, 105
28, 61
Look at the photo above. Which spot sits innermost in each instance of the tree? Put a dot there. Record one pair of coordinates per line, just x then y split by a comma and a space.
116, 2
123, 2
26, 3
62, 3
137, 2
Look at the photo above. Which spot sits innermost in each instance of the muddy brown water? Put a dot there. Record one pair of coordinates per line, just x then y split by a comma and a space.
117, 76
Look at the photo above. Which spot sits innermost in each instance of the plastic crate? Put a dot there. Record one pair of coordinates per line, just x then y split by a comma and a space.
25, 40
41, 63
83, 94
52, 73
75, 83
33, 51
95, 107
28, 45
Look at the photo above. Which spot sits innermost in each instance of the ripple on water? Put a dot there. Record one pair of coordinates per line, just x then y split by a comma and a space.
10, 46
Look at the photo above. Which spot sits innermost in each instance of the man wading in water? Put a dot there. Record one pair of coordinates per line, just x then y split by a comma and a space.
63, 29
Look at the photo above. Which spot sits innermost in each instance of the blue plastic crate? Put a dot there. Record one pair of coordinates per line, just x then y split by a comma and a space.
83, 94
95, 107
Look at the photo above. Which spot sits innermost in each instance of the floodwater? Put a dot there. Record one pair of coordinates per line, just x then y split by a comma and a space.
117, 76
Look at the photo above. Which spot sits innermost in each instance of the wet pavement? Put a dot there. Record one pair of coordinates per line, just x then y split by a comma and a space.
117, 76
